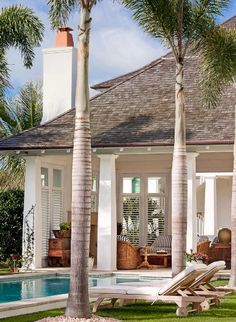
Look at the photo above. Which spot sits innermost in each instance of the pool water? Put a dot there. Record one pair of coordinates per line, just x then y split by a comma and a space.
41, 286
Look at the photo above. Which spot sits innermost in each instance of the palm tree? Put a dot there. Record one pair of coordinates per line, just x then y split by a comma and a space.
218, 70
78, 300
21, 29
16, 115
182, 26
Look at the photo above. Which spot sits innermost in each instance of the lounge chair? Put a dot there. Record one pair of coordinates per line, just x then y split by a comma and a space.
171, 291
202, 285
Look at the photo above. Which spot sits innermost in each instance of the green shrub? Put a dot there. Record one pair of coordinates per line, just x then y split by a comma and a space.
11, 220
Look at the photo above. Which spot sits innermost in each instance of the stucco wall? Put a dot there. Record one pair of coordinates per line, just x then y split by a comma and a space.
224, 192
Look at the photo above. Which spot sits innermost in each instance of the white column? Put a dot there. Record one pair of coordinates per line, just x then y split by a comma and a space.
210, 209
192, 203
32, 218
107, 240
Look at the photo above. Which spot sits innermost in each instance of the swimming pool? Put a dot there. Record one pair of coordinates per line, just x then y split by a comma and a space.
49, 285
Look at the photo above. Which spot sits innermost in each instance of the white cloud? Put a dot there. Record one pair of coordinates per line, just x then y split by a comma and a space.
118, 45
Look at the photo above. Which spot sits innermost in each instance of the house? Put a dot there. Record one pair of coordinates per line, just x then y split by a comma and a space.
132, 124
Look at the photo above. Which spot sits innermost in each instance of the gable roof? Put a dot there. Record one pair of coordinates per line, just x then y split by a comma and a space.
138, 110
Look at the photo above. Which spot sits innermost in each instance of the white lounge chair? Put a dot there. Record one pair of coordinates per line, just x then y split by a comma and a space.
172, 291
202, 285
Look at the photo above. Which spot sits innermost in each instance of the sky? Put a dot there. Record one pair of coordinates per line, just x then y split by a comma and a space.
118, 45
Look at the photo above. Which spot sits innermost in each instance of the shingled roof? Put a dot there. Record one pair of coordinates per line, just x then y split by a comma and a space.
139, 111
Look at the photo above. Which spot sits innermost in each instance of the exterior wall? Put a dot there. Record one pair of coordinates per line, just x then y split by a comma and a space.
33, 197
223, 202
224, 197
215, 162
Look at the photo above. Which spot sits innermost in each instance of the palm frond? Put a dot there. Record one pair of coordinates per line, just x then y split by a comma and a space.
29, 105
218, 64
4, 73
17, 115
60, 11
20, 28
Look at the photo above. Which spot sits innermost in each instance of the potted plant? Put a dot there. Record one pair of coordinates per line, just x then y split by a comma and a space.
192, 258
64, 231
14, 262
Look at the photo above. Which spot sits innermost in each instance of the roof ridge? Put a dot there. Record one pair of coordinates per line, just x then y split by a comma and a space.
226, 21
139, 71
134, 71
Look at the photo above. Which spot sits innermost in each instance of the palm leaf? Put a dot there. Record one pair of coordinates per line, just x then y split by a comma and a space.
20, 28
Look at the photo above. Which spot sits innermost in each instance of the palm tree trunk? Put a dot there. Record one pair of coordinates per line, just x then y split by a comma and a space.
78, 300
179, 179
232, 281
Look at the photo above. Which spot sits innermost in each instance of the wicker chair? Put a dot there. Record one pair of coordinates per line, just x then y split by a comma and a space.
128, 256
203, 247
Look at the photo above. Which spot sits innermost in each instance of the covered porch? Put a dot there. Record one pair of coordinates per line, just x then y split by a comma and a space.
131, 186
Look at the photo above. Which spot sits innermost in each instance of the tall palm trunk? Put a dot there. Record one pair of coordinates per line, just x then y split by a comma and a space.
179, 179
78, 301
232, 281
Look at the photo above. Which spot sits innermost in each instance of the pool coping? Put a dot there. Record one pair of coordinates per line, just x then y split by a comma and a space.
28, 306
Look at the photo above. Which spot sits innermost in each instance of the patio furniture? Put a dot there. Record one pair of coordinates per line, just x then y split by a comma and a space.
202, 285
59, 252
203, 247
161, 243
171, 291
220, 251
158, 254
128, 256
164, 257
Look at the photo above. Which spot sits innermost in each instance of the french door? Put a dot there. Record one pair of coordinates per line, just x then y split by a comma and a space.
143, 207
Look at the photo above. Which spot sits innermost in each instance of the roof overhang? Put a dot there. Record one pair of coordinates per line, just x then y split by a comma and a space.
122, 150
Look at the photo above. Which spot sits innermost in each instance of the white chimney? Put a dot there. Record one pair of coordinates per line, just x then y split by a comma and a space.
59, 76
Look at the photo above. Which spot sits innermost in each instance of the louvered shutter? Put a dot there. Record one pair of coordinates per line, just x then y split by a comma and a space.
131, 219
57, 208
156, 218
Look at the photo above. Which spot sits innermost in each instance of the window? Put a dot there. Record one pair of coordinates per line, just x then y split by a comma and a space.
143, 204
44, 177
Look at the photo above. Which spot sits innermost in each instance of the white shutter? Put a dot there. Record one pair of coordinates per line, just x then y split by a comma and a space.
57, 208
156, 218
131, 219
45, 220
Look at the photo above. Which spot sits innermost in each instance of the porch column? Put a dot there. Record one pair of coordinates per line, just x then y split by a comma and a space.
210, 210
192, 203
31, 243
106, 235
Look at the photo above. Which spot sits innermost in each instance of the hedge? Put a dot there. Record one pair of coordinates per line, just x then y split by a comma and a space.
11, 221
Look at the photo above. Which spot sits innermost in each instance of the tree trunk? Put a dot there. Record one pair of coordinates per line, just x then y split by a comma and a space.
78, 300
179, 179
232, 281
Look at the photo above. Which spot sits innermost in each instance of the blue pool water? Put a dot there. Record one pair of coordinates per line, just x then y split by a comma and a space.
41, 286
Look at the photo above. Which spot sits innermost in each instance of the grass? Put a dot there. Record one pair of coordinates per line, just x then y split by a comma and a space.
4, 269
141, 312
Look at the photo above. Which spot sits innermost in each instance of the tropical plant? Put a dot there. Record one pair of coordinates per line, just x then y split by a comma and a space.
11, 217
182, 26
218, 70
78, 299
16, 115
21, 29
